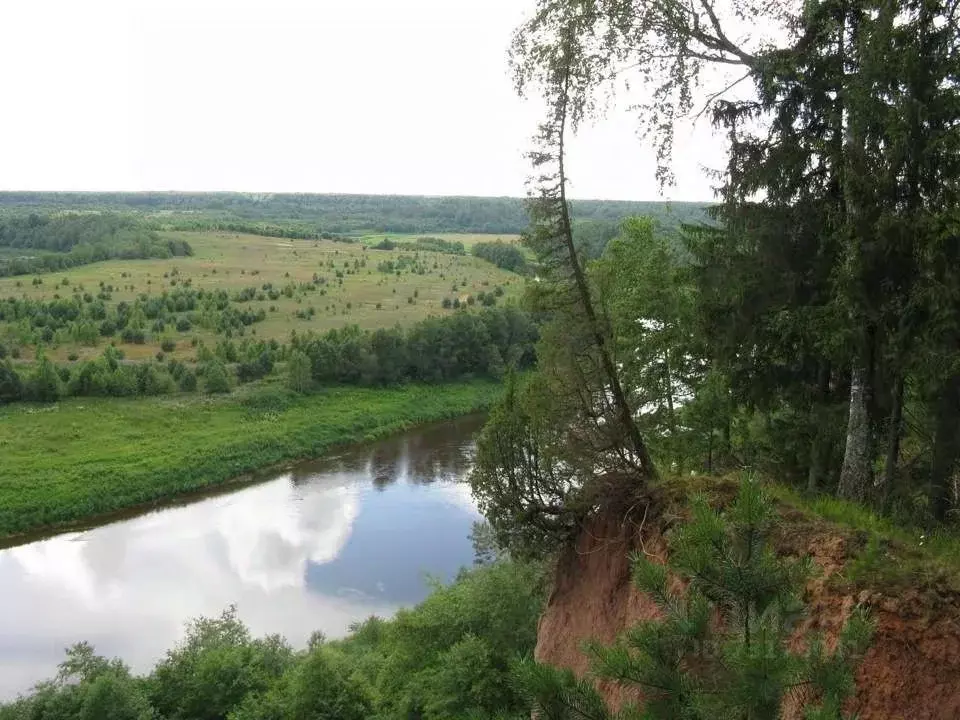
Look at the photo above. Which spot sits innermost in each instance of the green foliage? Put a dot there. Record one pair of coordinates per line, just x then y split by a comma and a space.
45, 384
11, 386
503, 255
87, 687
316, 686
311, 216
721, 649
216, 379
649, 299
426, 244
439, 349
65, 241
96, 455
84, 318
449, 656
214, 669
527, 480
299, 373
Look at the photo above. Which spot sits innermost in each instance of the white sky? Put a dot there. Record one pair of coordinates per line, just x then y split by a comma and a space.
367, 96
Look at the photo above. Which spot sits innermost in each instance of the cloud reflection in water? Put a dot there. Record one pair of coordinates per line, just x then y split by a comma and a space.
328, 543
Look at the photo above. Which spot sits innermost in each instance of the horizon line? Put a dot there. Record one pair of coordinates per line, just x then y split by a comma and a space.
665, 201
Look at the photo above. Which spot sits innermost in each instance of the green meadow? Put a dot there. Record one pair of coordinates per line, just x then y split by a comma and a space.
84, 457
363, 286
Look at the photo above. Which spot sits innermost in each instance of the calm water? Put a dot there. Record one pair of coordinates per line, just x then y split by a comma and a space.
317, 547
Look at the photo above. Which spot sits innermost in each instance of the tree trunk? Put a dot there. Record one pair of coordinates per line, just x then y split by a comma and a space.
671, 417
627, 420
856, 475
726, 441
946, 446
820, 446
893, 440
710, 452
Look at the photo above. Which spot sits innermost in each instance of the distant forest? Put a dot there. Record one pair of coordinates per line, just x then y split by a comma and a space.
308, 215
41, 243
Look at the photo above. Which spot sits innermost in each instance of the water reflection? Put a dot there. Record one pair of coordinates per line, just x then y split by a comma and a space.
330, 542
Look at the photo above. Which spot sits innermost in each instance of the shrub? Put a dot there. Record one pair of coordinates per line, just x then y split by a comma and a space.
215, 377
188, 381
11, 386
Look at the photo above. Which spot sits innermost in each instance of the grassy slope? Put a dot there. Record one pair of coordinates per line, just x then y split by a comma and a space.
226, 260
85, 456
883, 554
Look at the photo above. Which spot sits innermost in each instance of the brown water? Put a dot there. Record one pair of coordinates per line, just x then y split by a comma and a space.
317, 547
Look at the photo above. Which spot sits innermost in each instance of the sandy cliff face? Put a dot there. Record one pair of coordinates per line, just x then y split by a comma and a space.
912, 670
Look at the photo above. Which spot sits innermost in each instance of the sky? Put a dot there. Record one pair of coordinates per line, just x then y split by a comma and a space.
353, 96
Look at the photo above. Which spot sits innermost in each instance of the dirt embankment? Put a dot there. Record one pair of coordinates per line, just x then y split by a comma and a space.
912, 670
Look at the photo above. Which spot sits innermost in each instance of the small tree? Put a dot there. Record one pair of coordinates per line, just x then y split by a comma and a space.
11, 386
299, 372
45, 384
215, 377
720, 650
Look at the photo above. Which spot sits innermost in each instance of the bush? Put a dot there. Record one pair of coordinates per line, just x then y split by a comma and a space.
45, 384
188, 381
215, 377
299, 372
214, 669
11, 386
259, 366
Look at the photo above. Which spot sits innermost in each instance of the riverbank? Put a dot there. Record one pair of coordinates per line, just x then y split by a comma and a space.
86, 457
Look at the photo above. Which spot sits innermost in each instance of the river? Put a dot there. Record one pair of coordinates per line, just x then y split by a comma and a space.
317, 546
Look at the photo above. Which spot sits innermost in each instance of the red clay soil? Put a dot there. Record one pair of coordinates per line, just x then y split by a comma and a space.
912, 670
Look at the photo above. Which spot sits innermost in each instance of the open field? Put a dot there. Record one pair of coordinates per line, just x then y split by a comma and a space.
82, 457
317, 285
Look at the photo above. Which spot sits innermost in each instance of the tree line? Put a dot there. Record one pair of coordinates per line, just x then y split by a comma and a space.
340, 214
504, 255
46, 243
487, 343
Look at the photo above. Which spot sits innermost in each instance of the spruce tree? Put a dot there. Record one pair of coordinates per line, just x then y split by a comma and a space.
721, 648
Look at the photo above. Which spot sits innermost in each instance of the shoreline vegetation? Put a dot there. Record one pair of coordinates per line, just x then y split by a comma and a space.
104, 455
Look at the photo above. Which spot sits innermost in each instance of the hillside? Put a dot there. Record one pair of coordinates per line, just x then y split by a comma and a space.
910, 589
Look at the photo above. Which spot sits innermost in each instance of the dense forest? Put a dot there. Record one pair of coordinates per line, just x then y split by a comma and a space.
308, 215
35, 243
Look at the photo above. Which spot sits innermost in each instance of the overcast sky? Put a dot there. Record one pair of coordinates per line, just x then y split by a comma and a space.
366, 96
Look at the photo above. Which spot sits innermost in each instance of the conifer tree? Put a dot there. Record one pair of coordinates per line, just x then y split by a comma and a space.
721, 648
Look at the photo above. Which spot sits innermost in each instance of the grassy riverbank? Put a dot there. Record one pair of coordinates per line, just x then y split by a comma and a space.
61, 463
